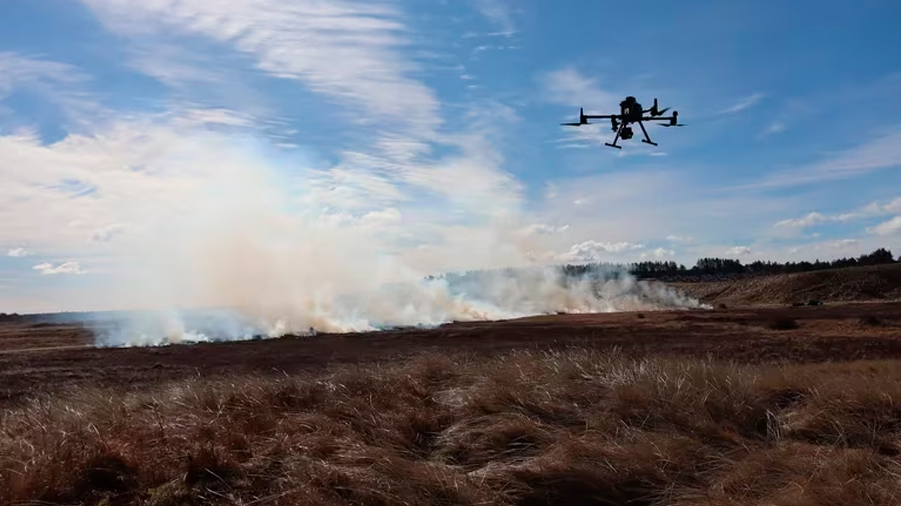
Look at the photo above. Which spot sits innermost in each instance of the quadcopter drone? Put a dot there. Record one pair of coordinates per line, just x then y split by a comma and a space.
630, 112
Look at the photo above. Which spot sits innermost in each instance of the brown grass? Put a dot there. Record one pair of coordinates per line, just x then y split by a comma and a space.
526, 429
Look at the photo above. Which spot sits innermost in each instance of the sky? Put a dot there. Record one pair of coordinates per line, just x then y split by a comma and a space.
145, 146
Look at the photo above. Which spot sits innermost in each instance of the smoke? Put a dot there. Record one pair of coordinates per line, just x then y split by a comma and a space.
427, 303
236, 244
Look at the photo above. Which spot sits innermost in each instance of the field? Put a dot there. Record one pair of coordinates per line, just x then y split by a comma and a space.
748, 405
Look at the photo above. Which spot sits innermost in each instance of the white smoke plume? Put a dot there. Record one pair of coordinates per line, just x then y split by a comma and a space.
236, 246
426, 303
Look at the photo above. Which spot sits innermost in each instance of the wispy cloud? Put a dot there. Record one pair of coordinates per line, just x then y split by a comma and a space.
17, 252
739, 251
830, 247
659, 253
811, 219
47, 269
872, 210
568, 86
679, 239
356, 58
775, 127
883, 152
18, 70
58, 83
498, 12
744, 103
545, 229
890, 227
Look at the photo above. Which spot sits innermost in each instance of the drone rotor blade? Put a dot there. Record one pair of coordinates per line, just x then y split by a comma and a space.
573, 124
662, 111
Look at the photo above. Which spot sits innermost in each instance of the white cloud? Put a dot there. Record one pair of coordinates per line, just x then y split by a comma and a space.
545, 229
383, 218
17, 252
890, 227
355, 58
679, 239
874, 209
63, 268
744, 103
813, 218
360, 60
660, 253
893, 206
591, 251
739, 251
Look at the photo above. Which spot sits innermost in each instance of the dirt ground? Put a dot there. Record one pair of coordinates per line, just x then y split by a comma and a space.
47, 358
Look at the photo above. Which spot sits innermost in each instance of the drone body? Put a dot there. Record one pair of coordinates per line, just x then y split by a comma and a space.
630, 112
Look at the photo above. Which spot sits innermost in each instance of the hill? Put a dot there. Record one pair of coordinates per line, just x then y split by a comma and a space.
850, 284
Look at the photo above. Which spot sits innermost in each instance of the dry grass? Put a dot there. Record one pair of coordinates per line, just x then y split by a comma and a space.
526, 429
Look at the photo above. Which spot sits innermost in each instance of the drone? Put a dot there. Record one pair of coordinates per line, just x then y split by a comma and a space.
630, 112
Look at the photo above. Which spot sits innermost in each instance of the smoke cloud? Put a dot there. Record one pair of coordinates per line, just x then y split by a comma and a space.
427, 303
239, 245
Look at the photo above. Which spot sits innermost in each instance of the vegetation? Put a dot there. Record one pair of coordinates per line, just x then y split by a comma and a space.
730, 267
575, 427
703, 268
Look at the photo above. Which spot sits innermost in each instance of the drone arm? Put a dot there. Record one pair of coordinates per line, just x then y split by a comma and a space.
605, 116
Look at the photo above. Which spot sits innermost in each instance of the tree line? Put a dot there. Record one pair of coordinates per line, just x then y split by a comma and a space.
728, 267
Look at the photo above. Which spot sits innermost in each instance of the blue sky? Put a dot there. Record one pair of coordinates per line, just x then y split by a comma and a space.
138, 140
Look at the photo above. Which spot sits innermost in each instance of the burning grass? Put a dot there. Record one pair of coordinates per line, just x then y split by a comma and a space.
575, 427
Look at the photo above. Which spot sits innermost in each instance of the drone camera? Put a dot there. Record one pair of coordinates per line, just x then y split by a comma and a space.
626, 133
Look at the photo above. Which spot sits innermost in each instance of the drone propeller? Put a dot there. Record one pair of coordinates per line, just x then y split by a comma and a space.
573, 124
662, 112
670, 124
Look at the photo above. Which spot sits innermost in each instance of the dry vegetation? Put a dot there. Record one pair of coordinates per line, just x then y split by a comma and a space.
526, 428
871, 283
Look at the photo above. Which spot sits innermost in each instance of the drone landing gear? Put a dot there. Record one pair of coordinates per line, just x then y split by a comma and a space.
618, 132
647, 139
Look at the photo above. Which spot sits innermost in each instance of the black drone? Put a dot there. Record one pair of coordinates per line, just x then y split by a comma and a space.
631, 112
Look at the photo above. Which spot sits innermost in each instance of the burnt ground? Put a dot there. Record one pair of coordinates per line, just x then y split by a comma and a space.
50, 358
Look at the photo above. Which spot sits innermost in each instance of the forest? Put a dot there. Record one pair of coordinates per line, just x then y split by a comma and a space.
727, 267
